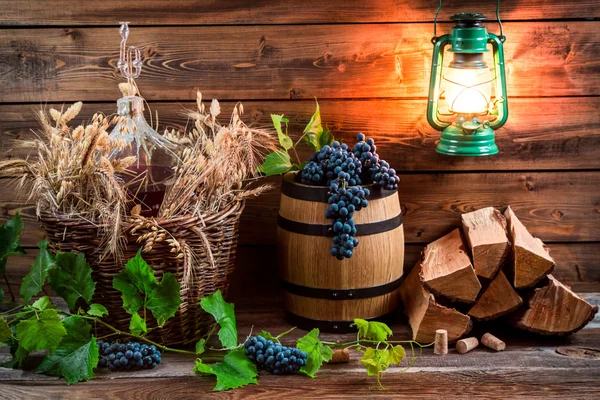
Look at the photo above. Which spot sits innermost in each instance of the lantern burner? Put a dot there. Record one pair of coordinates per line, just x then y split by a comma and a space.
468, 19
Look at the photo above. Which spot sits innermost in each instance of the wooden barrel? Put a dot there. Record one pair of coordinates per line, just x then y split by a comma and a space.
321, 291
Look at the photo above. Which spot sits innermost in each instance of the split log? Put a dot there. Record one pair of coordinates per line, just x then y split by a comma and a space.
498, 299
555, 310
485, 231
446, 269
530, 260
425, 316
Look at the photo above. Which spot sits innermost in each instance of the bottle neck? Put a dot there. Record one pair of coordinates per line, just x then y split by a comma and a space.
130, 106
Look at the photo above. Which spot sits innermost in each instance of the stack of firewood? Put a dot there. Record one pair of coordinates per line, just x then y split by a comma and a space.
492, 268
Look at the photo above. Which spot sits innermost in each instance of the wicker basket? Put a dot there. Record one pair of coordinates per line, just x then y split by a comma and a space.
219, 230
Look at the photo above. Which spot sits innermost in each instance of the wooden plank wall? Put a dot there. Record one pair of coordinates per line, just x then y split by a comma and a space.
368, 63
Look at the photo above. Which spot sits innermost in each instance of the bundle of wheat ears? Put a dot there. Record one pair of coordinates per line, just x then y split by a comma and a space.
74, 177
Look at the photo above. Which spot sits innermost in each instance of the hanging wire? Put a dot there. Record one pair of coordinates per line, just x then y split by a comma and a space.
434, 38
502, 37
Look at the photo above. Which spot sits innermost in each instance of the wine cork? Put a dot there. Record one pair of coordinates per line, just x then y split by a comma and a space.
340, 356
441, 342
491, 341
466, 345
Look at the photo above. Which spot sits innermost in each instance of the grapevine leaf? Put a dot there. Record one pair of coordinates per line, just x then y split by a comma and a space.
42, 331
139, 288
326, 138
76, 356
164, 301
372, 330
35, 279
43, 303
317, 352
72, 278
375, 361
224, 314
5, 331
19, 354
235, 371
276, 163
1, 295
97, 310
137, 325
200, 346
284, 140
397, 354
9, 240
314, 129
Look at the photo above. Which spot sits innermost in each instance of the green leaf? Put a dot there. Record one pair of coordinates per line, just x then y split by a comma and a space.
77, 355
397, 354
284, 140
72, 278
313, 129
224, 314
200, 346
97, 310
372, 330
276, 163
5, 331
317, 352
326, 138
35, 279
165, 300
9, 240
375, 361
235, 371
1, 295
137, 326
43, 303
140, 289
43, 331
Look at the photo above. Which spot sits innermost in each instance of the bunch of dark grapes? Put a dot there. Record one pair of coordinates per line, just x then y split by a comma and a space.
343, 202
130, 356
325, 165
384, 176
273, 357
379, 170
311, 174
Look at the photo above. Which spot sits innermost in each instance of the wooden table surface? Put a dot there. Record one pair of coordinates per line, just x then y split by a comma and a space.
531, 367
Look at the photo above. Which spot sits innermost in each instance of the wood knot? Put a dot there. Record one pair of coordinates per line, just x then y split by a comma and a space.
74, 34
296, 94
556, 214
530, 184
256, 115
264, 48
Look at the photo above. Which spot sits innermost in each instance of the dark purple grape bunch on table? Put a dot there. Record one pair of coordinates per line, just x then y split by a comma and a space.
273, 357
130, 356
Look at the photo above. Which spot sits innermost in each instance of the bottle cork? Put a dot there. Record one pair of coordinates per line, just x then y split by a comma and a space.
466, 345
340, 356
492, 342
441, 342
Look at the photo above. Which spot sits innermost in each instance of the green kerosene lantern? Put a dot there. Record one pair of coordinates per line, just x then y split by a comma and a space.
469, 115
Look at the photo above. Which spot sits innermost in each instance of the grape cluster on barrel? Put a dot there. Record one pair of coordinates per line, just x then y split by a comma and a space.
342, 205
344, 169
130, 356
273, 357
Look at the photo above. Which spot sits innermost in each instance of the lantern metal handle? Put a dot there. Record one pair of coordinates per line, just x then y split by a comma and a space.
129, 58
501, 94
435, 83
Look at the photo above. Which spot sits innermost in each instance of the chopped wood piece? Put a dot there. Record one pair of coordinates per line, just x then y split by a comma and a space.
555, 310
530, 260
466, 345
340, 356
446, 269
491, 341
485, 231
497, 299
426, 316
441, 342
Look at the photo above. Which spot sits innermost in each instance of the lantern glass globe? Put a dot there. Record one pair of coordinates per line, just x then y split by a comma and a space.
468, 90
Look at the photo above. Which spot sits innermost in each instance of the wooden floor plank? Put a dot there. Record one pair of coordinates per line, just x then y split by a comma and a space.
283, 62
399, 128
180, 12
